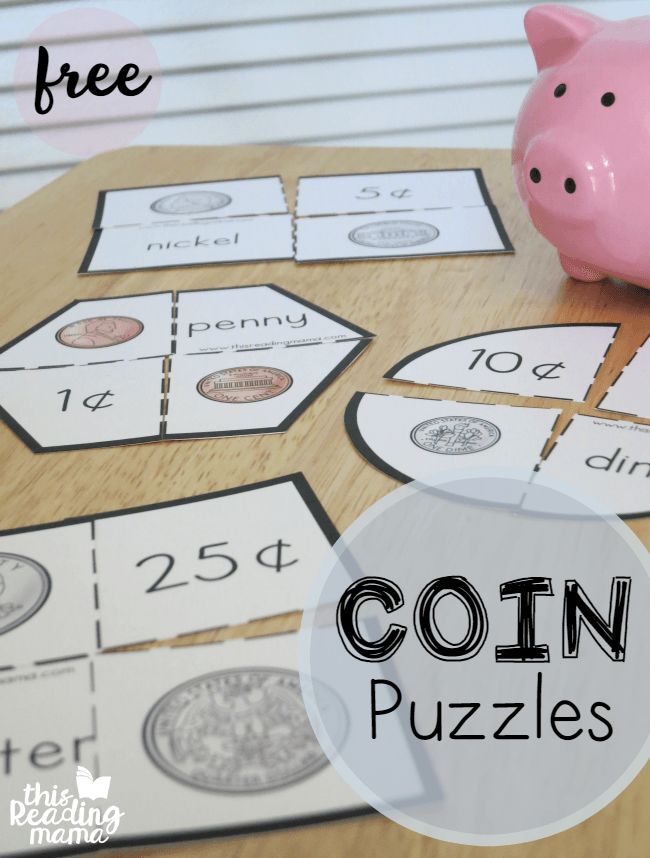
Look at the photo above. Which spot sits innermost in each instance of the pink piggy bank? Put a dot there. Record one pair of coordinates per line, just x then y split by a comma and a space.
581, 149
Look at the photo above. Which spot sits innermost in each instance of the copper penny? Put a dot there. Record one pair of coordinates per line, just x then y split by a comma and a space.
99, 332
244, 384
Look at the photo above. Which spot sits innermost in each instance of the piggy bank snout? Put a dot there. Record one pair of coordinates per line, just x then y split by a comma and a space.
561, 178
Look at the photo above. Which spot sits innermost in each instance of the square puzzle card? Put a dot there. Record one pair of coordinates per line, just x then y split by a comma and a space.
172, 226
233, 361
395, 215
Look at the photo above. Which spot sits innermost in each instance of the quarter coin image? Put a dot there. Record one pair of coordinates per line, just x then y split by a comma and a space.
24, 588
234, 731
191, 202
394, 233
241, 384
455, 436
99, 332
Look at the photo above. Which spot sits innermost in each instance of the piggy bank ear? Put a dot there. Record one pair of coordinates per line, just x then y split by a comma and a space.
556, 32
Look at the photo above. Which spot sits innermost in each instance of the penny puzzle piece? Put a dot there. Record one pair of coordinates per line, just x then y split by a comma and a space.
556, 361
630, 393
607, 460
206, 363
171, 226
421, 439
102, 330
247, 392
84, 406
248, 317
156, 572
395, 215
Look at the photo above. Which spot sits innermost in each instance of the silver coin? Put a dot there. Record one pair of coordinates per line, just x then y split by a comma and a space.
24, 588
455, 436
191, 202
234, 731
394, 233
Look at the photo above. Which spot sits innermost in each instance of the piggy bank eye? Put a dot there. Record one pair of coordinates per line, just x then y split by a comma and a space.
560, 89
608, 99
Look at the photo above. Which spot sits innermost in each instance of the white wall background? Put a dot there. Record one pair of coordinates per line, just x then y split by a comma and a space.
339, 72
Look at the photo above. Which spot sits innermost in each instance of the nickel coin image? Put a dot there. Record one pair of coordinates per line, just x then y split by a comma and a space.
455, 436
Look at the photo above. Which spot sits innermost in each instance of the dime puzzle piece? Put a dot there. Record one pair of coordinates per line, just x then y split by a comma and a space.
557, 361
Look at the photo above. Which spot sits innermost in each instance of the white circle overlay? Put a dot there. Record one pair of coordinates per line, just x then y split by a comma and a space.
461, 782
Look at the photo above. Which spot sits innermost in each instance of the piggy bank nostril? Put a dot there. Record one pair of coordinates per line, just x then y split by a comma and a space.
535, 175
570, 186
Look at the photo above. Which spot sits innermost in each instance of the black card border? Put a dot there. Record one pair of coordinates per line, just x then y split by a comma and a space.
297, 478
192, 835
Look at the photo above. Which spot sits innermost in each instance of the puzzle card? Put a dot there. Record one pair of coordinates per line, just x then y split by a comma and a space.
213, 561
219, 734
556, 361
123, 577
201, 223
606, 461
396, 215
422, 439
630, 393
132, 748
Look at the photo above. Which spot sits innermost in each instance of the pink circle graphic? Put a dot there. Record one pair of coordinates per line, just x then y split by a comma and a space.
80, 39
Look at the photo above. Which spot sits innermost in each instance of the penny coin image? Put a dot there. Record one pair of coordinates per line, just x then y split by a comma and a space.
241, 384
191, 202
455, 436
24, 588
100, 332
394, 233
234, 731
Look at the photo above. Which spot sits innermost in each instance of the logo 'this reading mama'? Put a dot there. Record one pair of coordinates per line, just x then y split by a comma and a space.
54, 816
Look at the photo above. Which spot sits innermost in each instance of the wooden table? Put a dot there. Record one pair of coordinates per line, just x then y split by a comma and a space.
408, 304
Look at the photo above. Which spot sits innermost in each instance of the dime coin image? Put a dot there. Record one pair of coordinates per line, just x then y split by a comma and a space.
242, 384
24, 588
191, 202
234, 731
455, 436
394, 233
100, 332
